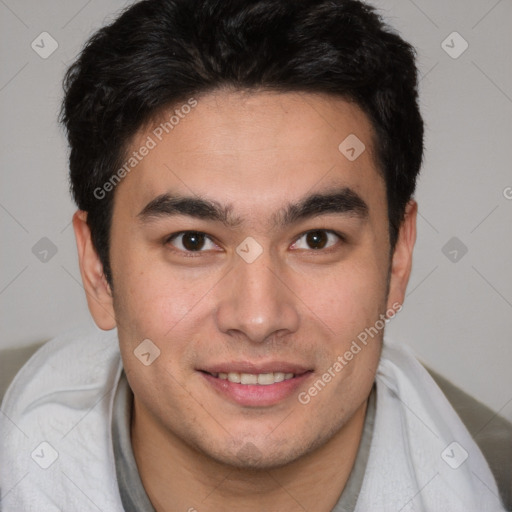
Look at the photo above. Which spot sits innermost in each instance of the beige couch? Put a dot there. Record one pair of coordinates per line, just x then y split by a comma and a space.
492, 432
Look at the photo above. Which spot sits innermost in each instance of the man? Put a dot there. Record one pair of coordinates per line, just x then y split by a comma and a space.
244, 173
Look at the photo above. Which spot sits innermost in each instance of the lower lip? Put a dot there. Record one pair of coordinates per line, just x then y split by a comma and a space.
254, 395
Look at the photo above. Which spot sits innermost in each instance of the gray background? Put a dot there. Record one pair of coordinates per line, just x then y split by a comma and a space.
458, 312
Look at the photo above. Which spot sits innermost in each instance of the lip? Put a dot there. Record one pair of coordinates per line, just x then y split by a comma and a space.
253, 395
248, 367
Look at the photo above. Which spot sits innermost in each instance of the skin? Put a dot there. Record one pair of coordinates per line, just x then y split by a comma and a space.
256, 153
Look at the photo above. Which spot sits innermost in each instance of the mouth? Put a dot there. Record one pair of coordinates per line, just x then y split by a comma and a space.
257, 388
254, 379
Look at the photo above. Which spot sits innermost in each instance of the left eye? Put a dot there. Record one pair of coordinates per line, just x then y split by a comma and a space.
191, 241
317, 239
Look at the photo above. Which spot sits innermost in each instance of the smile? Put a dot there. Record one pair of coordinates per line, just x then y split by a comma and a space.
255, 389
261, 379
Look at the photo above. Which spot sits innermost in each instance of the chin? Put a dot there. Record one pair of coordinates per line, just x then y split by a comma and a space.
260, 455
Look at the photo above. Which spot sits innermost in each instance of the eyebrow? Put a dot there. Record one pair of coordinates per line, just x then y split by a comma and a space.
167, 205
343, 201
338, 201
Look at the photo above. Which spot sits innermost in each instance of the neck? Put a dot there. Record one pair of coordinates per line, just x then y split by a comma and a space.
178, 477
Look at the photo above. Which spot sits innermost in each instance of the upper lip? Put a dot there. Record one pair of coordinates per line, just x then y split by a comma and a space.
257, 368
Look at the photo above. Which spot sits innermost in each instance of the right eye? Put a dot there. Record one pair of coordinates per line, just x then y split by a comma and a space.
191, 241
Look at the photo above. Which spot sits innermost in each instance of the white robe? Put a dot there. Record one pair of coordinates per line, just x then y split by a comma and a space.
63, 398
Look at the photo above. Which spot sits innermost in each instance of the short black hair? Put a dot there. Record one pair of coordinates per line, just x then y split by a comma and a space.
159, 53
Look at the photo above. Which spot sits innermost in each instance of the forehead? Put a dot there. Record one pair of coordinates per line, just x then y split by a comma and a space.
254, 149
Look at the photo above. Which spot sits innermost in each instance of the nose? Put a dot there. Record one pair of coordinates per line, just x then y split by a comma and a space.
256, 302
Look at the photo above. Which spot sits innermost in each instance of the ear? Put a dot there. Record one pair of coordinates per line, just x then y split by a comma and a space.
401, 263
97, 289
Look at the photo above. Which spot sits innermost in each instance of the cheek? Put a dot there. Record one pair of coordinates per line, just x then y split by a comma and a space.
165, 306
151, 307
150, 296
346, 299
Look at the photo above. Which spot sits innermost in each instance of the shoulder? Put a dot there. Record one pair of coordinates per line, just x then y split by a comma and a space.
438, 423
55, 421
76, 360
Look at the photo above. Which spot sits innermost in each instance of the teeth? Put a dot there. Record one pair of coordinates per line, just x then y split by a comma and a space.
248, 378
266, 378
263, 379
233, 377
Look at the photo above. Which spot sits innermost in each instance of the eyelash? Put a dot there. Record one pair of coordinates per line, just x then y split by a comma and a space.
187, 253
183, 252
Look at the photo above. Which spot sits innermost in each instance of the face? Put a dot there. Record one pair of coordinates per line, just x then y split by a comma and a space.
247, 245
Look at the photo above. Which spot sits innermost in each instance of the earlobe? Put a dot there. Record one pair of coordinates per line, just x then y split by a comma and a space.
97, 289
402, 255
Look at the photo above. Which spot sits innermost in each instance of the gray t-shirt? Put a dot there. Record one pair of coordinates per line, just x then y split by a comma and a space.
133, 494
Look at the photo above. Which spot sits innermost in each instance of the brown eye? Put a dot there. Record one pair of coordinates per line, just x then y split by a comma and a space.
191, 241
316, 239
